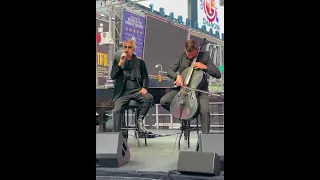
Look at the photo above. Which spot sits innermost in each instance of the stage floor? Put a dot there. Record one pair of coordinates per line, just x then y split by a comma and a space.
160, 154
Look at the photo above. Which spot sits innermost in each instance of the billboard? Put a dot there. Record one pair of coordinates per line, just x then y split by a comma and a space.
178, 7
208, 15
164, 42
102, 57
221, 19
134, 28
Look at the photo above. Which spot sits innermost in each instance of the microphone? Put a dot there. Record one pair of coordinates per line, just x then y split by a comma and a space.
124, 57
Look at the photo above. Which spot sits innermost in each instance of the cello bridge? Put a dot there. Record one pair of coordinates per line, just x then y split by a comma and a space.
184, 92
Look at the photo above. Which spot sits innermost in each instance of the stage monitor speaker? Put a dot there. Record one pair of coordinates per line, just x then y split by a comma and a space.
195, 162
111, 150
214, 143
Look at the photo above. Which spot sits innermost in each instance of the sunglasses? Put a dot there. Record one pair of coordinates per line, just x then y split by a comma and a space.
129, 47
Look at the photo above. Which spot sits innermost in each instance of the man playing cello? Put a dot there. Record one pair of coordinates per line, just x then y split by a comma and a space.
205, 63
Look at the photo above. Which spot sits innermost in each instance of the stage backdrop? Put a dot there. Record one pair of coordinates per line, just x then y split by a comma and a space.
102, 59
133, 28
164, 42
209, 47
200, 40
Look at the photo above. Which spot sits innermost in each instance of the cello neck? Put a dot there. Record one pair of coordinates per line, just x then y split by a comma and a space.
187, 79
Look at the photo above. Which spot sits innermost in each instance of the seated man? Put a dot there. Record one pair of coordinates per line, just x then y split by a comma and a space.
131, 83
205, 63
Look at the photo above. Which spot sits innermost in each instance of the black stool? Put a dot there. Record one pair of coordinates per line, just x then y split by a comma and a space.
135, 107
186, 129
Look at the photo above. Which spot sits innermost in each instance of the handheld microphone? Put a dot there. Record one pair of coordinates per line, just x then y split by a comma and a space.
124, 57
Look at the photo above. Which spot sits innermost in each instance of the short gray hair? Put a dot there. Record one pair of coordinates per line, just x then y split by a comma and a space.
130, 40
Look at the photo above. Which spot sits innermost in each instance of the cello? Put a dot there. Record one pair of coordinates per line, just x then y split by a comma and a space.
185, 104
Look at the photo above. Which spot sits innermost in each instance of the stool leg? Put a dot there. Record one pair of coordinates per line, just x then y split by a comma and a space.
198, 135
145, 135
137, 126
182, 132
128, 123
137, 134
185, 124
188, 126
145, 139
133, 117
123, 122
197, 121
180, 139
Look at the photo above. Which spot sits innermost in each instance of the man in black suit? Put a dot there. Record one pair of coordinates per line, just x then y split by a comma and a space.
131, 82
205, 63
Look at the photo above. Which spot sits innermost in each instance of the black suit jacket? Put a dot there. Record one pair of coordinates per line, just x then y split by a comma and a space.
181, 63
118, 75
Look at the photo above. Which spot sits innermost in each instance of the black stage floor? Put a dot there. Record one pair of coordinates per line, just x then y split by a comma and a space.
153, 161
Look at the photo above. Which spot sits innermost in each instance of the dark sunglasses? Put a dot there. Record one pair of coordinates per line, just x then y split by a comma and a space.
129, 47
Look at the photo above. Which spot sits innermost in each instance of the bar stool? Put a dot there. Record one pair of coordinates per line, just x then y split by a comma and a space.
186, 129
135, 107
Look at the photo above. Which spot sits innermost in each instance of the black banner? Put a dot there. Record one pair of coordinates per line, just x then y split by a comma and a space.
164, 42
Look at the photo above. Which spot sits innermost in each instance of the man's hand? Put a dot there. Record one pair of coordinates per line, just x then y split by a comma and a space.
143, 91
199, 65
179, 81
122, 59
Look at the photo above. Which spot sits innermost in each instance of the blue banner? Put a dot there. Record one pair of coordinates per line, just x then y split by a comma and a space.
133, 28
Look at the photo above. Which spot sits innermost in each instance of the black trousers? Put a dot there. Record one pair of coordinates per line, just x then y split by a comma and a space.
165, 102
145, 99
